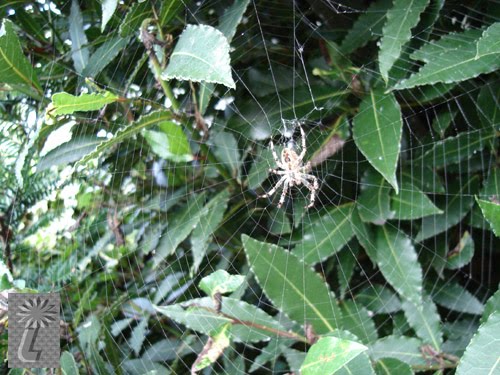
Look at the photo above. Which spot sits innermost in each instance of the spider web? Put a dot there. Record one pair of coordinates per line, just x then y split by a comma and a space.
267, 103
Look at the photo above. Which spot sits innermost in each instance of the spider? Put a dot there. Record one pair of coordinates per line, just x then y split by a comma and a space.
293, 172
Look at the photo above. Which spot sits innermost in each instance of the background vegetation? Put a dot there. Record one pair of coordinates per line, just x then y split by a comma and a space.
134, 148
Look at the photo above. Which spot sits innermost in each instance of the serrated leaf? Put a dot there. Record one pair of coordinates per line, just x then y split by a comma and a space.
108, 8
119, 325
356, 320
128, 131
392, 366
455, 149
461, 254
79, 49
359, 365
326, 235
452, 296
330, 354
491, 212
425, 321
202, 234
170, 143
455, 205
368, 26
411, 203
221, 282
492, 305
406, 349
137, 13
442, 121
373, 203
169, 10
377, 132
14, 66
180, 226
292, 286
227, 26
69, 152
347, 262
489, 42
397, 260
68, 364
379, 299
454, 58
488, 106
482, 355
201, 55
138, 336
214, 348
199, 315
401, 18
65, 104
104, 55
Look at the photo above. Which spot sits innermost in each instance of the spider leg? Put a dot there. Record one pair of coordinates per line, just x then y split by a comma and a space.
276, 187
312, 188
283, 194
304, 149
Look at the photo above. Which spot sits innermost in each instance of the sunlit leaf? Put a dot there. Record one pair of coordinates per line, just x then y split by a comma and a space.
201, 55
411, 203
68, 364
79, 49
374, 201
379, 299
406, 349
491, 212
377, 132
218, 341
425, 321
108, 8
454, 297
65, 104
170, 143
355, 319
221, 282
329, 354
137, 13
104, 55
138, 336
292, 286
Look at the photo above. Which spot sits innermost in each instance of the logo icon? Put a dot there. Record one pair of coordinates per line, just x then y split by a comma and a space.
33, 330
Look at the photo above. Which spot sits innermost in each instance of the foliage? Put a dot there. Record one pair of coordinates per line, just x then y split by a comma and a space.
126, 188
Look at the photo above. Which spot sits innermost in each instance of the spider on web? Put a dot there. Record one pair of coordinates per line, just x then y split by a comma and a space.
293, 171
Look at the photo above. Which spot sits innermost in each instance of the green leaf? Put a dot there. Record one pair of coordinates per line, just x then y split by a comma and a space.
455, 205
379, 299
180, 226
392, 366
489, 42
138, 336
374, 201
454, 58
359, 365
401, 18
169, 9
363, 234
492, 305
356, 319
487, 105
200, 315
69, 152
170, 143
79, 50
326, 235
461, 254
201, 55
128, 131
227, 26
425, 321
137, 13
65, 104
108, 8
397, 260
14, 66
292, 286
227, 152
377, 132
103, 56
201, 236
442, 122
454, 149
412, 203
68, 364
367, 27
329, 354
482, 356
451, 295
491, 212
406, 349
220, 282
347, 261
